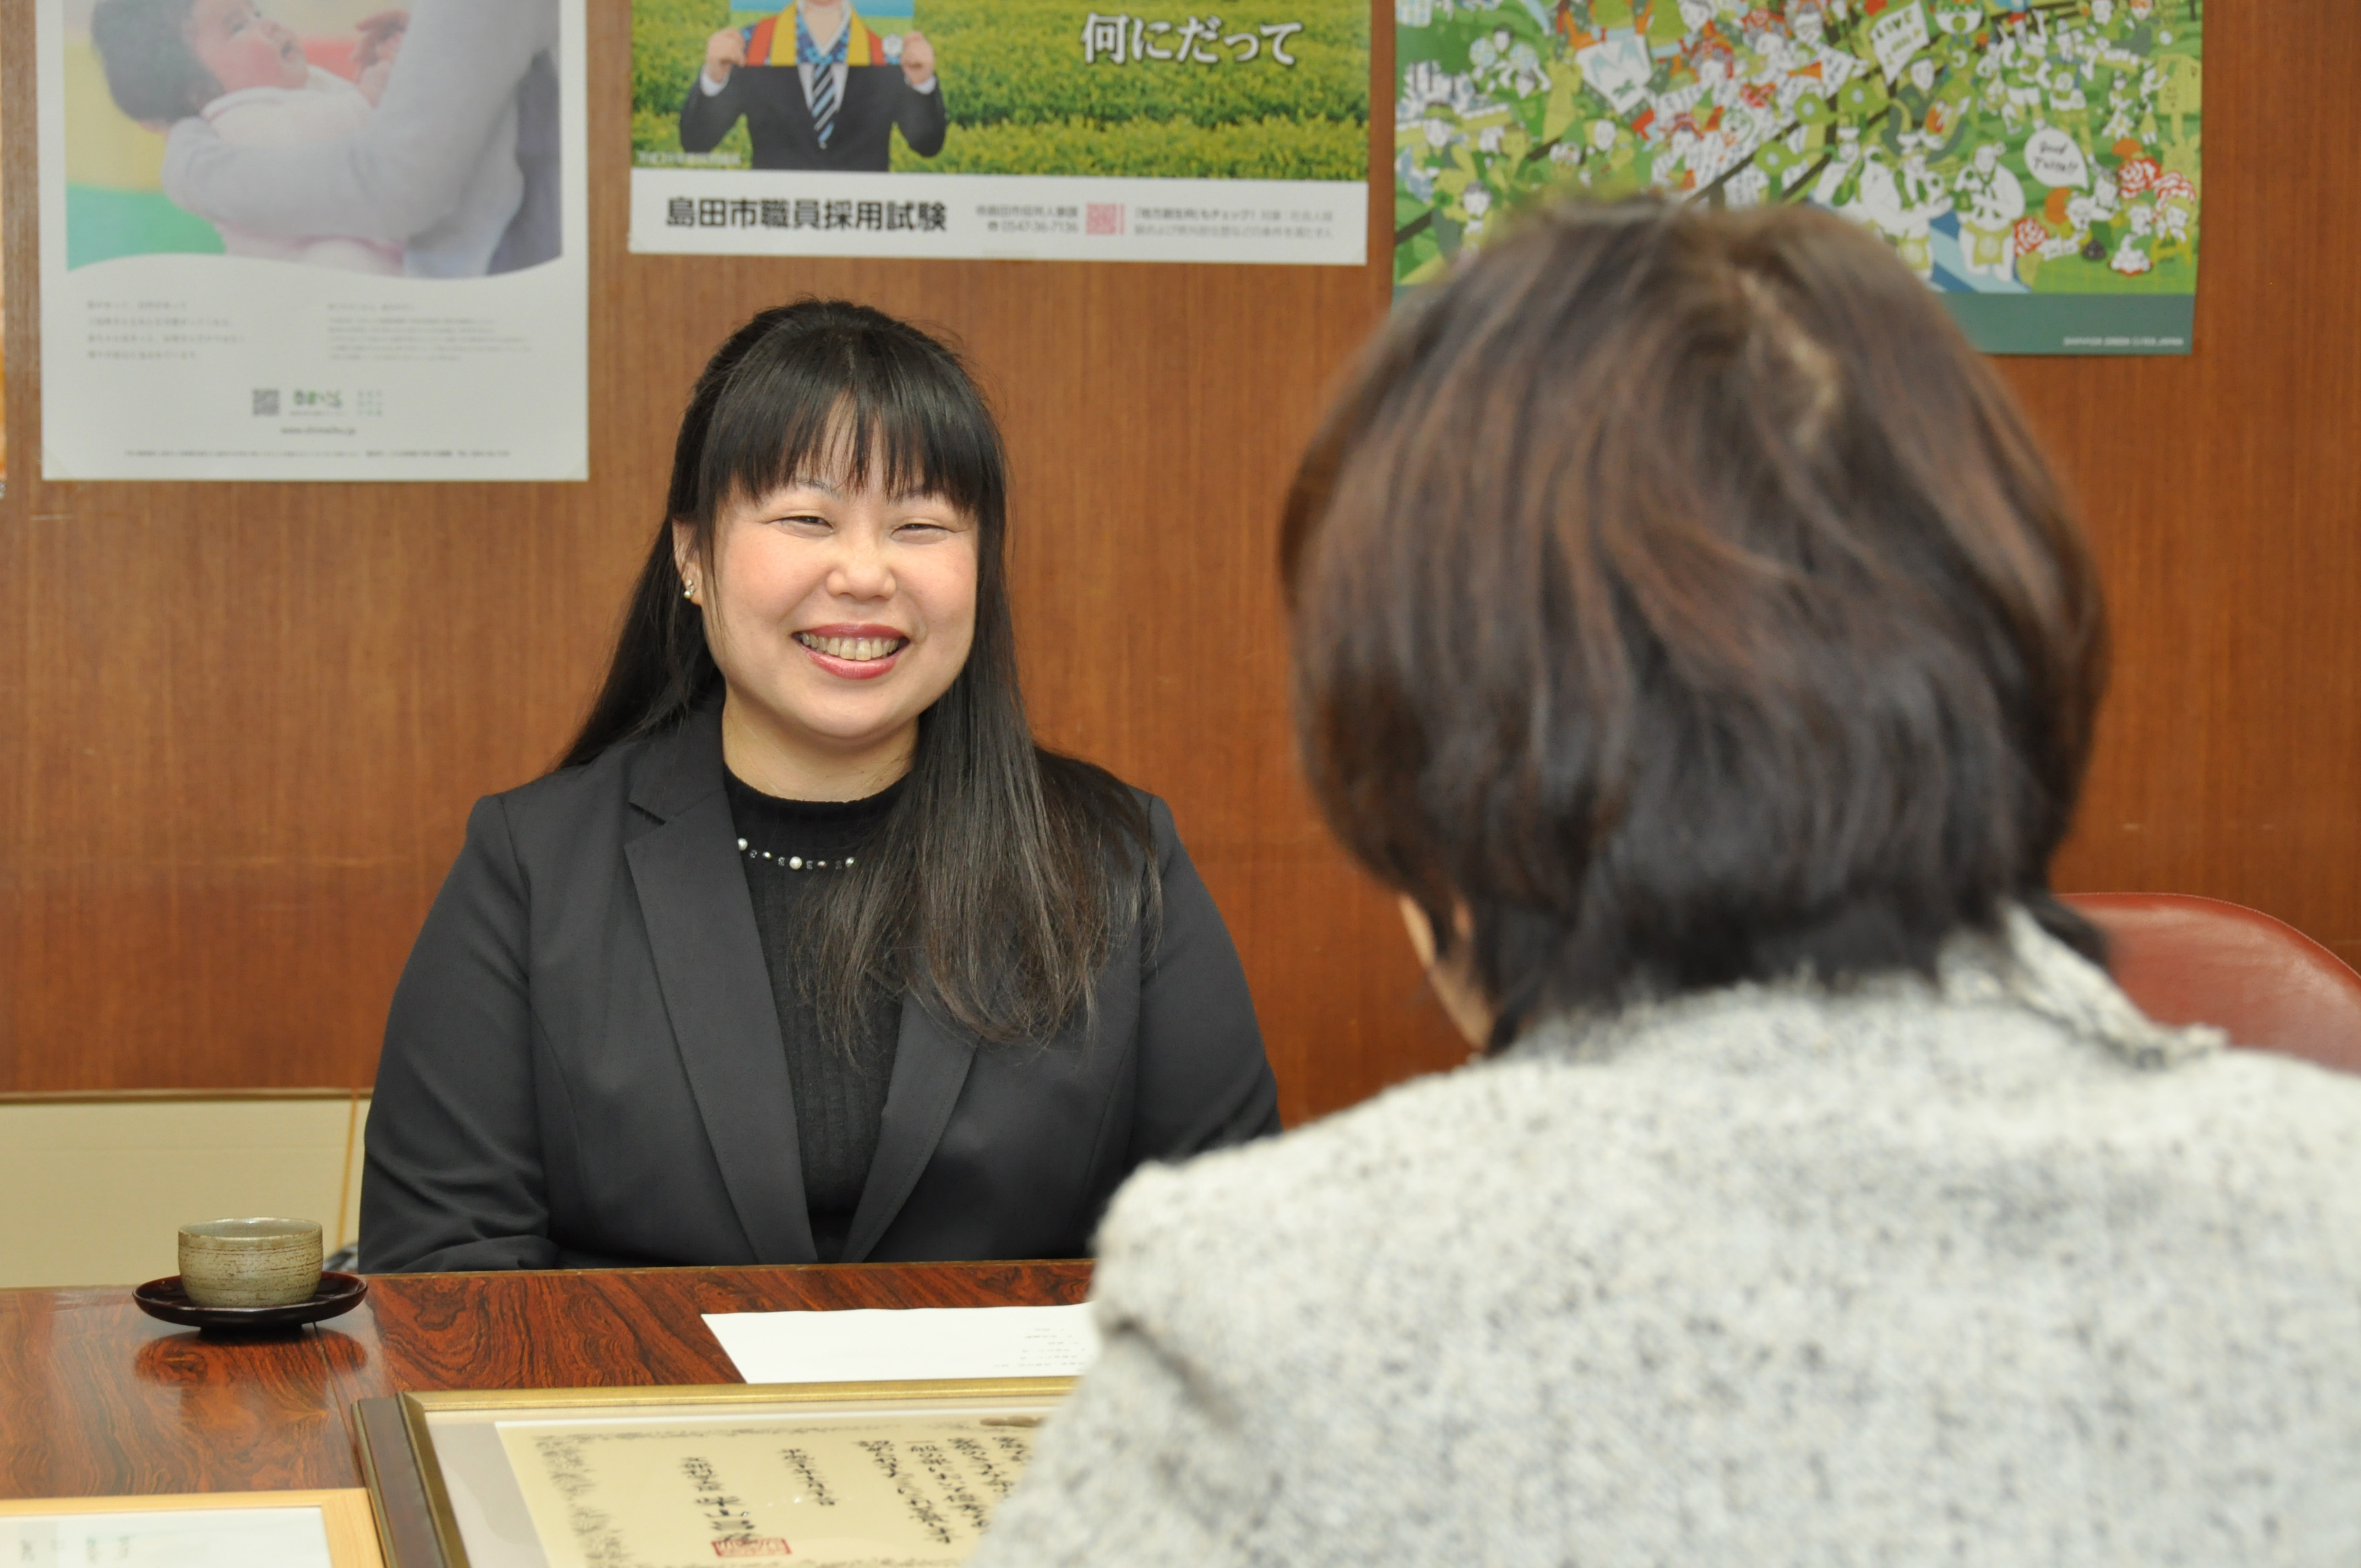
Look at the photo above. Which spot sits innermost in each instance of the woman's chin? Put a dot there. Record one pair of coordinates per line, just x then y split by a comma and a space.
842, 729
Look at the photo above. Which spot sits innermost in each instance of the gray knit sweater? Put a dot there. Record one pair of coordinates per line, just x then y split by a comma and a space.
1997, 1272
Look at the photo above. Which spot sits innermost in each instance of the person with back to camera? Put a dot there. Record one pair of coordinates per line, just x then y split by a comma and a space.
806, 952
817, 90
1688, 628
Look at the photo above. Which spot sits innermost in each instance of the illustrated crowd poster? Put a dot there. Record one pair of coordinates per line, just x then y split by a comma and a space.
313, 239
2039, 163
1127, 130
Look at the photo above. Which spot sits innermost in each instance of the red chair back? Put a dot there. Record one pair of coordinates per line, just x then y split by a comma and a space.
2186, 959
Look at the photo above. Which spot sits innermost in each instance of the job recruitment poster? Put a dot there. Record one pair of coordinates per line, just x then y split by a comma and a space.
2038, 163
315, 239
1123, 130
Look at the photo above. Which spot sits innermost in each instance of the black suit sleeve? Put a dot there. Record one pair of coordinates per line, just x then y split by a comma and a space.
454, 1172
922, 117
1204, 1081
706, 117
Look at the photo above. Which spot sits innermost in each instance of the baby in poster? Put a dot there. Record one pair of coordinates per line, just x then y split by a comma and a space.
248, 77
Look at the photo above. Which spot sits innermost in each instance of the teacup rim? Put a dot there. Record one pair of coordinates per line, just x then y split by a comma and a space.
215, 1232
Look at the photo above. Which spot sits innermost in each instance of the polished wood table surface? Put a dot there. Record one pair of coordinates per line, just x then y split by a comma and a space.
98, 1399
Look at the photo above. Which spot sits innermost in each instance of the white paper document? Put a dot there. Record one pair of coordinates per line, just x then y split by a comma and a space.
197, 1538
867, 1346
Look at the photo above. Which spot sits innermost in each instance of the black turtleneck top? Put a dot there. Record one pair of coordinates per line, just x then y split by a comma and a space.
787, 845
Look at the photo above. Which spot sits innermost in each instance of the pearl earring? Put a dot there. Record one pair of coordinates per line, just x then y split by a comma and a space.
689, 590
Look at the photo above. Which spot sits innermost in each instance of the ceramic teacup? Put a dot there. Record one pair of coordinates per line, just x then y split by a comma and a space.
250, 1263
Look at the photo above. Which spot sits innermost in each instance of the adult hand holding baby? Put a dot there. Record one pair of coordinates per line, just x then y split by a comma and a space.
382, 33
380, 45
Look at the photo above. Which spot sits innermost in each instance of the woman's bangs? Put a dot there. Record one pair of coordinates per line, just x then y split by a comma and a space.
847, 418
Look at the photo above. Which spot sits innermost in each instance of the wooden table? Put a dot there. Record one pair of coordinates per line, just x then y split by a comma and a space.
98, 1399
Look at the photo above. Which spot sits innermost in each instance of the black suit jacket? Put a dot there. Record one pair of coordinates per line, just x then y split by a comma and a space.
583, 1064
778, 121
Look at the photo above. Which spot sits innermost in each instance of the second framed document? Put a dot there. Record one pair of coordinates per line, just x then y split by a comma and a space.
877, 1473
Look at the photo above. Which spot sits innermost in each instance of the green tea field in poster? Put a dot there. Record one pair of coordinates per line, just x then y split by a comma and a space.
1107, 129
2039, 165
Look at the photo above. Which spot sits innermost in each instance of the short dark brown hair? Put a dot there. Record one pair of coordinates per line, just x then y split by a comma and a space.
1680, 592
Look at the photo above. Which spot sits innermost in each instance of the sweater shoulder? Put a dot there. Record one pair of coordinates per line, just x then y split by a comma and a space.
1543, 1143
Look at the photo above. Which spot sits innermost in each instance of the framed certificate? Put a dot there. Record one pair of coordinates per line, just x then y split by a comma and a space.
845, 1474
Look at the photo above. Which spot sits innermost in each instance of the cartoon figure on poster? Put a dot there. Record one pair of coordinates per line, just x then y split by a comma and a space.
1990, 201
2006, 149
304, 132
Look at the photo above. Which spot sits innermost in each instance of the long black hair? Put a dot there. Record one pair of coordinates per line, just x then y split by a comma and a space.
1004, 875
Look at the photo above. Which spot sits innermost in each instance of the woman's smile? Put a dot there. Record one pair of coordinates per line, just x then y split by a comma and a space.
853, 652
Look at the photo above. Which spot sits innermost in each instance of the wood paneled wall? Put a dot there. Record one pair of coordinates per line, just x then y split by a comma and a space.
240, 725
2223, 492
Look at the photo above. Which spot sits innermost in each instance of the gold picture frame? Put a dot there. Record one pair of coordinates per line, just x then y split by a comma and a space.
554, 1478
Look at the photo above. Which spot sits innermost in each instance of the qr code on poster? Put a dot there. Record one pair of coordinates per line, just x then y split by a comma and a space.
1103, 217
266, 402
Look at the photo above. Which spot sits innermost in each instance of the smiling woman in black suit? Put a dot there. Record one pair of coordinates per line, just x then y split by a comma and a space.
807, 952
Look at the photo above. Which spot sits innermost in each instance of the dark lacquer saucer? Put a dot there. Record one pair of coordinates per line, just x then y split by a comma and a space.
338, 1293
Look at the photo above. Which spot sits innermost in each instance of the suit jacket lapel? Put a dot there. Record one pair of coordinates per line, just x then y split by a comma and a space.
931, 1063
716, 989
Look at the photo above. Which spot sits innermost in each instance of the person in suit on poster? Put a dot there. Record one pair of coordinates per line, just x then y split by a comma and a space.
818, 90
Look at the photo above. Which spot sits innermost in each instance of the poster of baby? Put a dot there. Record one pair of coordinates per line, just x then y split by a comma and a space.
2039, 162
313, 239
